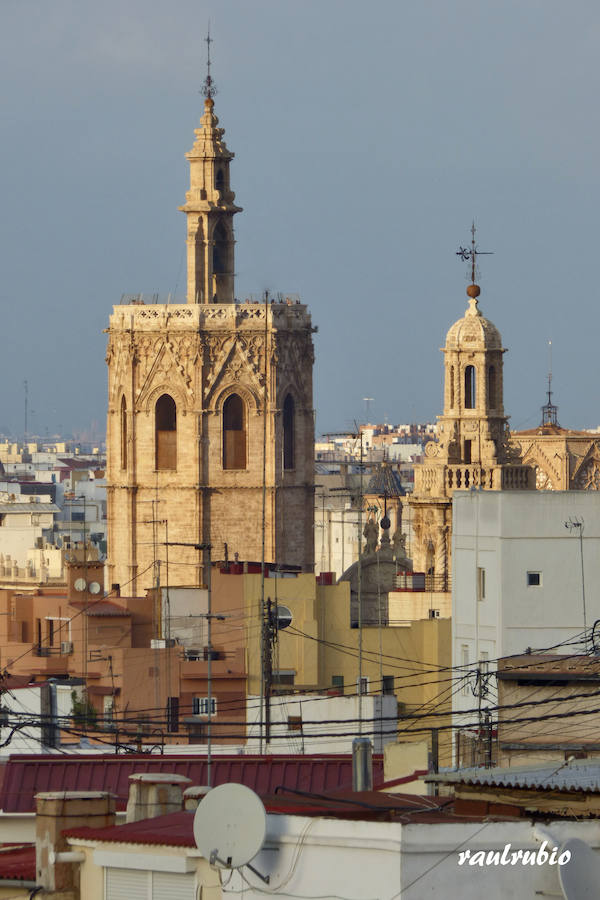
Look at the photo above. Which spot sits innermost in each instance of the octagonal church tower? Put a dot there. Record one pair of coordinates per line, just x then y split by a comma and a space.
210, 412
472, 449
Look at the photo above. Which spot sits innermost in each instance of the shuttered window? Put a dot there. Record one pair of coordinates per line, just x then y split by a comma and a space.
127, 884
133, 884
169, 886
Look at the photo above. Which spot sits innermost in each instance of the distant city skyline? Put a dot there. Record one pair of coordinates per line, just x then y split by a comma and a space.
366, 142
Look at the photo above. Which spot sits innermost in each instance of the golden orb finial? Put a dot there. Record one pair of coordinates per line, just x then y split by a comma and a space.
473, 291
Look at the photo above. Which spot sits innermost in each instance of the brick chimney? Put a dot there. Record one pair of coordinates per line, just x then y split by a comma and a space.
154, 794
56, 812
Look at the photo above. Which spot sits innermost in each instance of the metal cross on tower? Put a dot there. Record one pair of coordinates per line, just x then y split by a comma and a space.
472, 254
208, 89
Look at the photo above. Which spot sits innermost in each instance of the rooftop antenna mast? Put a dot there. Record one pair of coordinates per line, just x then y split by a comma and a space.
549, 410
471, 255
208, 88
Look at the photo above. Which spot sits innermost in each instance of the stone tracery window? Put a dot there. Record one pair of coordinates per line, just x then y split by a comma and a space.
123, 432
165, 432
234, 433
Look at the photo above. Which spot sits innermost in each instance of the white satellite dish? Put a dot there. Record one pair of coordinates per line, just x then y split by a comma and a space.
230, 825
94, 588
80, 584
579, 878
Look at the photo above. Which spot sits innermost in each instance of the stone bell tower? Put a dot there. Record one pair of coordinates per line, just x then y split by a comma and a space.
210, 417
472, 449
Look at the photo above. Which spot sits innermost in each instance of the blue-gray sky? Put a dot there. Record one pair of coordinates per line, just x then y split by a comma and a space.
367, 137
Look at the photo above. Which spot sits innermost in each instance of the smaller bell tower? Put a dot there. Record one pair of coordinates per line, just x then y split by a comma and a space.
472, 448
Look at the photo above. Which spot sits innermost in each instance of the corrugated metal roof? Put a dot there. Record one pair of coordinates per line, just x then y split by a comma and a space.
27, 775
176, 829
29, 507
17, 862
576, 775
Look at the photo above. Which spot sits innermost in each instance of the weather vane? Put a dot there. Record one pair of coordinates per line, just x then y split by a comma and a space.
208, 89
472, 254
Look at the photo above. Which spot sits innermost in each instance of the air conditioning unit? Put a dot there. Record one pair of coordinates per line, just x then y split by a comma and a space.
434, 613
211, 654
66, 647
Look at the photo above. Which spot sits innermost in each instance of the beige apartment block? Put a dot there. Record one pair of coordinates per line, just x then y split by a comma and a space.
210, 416
472, 449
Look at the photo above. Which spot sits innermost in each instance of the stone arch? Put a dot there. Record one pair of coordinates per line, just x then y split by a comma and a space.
247, 394
149, 401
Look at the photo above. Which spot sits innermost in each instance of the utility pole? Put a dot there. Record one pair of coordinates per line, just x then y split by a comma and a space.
267, 661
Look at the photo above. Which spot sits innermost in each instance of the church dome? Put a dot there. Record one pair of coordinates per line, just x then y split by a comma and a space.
473, 331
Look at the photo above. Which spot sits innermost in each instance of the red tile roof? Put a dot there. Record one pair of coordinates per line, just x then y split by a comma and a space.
172, 830
28, 775
17, 862
100, 608
176, 829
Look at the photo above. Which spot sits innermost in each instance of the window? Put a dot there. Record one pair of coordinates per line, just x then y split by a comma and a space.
467, 453
387, 686
480, 583
284, 676
123, 433
470, 387
294, 723
484, 662
451, 387
362, 685
288, 432
234, 433
337, 681
220, 250
165, 426
464, 662
220, 180
491, 387
200, 706
534, 579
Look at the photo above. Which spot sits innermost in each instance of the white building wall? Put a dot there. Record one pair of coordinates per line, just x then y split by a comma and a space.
360, 860
333, 716
509, 534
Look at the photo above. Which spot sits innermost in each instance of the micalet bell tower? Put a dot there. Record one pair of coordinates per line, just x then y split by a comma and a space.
210, 411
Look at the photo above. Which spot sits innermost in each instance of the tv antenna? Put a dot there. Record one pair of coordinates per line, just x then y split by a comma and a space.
230, 826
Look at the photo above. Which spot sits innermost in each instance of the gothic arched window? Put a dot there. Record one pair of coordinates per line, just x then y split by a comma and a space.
470, 387
234, 433
220, 180
289, 427
165, 432
491, 388
123, 432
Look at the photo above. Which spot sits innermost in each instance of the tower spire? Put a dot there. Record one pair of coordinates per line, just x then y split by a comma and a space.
208, 88
549, 410
472, 254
